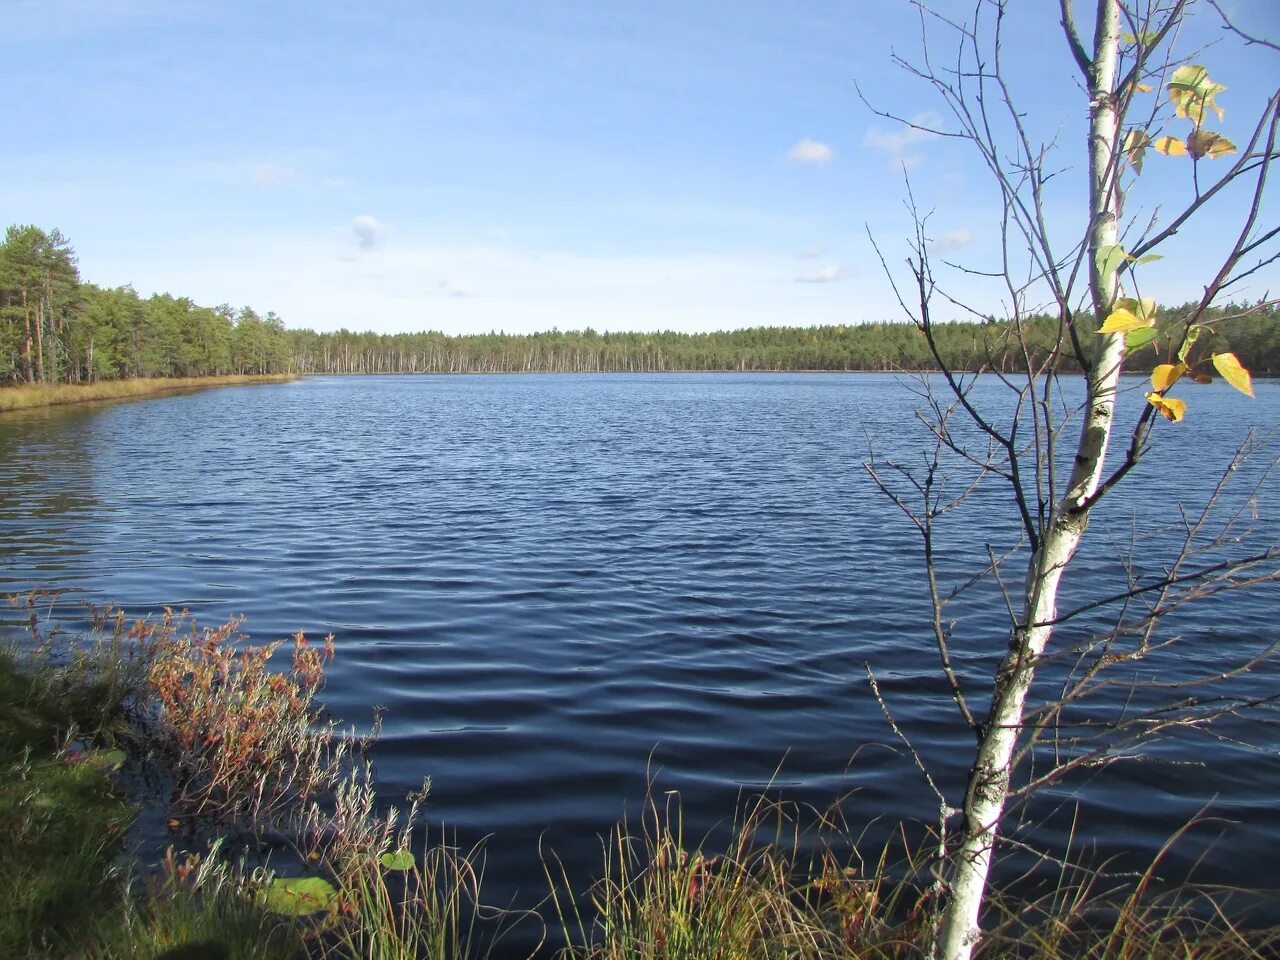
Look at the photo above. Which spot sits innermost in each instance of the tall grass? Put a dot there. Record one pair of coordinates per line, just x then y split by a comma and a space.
238, 730
758, 895
30, 395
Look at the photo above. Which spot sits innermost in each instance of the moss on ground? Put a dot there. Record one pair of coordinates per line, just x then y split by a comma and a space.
63, 822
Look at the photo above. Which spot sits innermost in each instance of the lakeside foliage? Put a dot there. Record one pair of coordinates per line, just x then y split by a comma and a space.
31, 395
55, 328
86, 722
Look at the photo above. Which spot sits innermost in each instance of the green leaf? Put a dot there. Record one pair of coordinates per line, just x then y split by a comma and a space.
108, 761
1146, 38
299, 896
1230, 370
1109, 258
1192, 336
1137, 339
1149, 258
400, 860
1192, 93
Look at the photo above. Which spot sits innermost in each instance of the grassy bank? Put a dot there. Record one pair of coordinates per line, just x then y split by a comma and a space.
29, 395
281, 848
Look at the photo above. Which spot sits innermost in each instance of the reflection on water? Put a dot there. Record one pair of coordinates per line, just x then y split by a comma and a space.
559, 586
49, 508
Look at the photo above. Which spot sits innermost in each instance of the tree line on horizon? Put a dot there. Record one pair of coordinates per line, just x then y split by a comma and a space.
56, 328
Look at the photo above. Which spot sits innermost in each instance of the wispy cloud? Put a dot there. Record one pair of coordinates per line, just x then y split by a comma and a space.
953, 240
811, 253
273, 175
368, 231
899, 144
828, 274
813, 153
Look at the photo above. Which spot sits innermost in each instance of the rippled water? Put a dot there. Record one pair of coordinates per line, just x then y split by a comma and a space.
559, 586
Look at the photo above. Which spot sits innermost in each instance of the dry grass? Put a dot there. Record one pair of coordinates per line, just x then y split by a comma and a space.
33, 395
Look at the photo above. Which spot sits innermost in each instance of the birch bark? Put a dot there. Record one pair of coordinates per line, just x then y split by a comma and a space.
989, 780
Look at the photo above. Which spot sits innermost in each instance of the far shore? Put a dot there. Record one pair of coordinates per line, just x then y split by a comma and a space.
28, 396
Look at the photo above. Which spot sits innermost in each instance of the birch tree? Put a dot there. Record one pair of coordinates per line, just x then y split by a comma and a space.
1055, 457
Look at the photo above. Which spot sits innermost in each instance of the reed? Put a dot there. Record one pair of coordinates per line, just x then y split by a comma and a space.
757, 895
32, 395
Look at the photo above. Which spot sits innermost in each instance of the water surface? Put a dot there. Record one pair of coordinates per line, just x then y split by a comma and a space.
561, 586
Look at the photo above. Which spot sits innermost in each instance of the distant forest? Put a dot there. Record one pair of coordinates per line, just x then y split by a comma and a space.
54, 328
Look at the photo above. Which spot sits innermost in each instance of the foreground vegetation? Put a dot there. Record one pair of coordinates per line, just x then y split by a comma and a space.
54, 328
281, 848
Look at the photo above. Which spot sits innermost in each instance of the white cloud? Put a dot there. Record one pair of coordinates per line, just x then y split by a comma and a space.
828, 274
953, 240
811, 152
272, 175
899, 143
368, 231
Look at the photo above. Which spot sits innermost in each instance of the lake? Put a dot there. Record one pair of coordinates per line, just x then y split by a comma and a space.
562, 586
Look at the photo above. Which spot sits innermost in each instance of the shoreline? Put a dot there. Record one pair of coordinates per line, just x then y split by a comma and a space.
32, 396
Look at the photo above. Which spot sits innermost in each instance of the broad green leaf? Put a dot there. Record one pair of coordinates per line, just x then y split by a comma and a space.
1137, 339
1171, 408
1192, 336
299, 896
1192, 93
400, 860
1146, 38
1121, 321
1170, 146
1230, 370
1206, 143
1165, 375
1109, 258
1150, 258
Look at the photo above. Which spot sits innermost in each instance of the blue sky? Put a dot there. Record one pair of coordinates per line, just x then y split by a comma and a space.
500, 166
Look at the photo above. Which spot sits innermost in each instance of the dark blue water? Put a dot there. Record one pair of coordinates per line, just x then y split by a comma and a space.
561, 586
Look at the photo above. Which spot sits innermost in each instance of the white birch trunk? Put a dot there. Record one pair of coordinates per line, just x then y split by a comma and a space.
989, 780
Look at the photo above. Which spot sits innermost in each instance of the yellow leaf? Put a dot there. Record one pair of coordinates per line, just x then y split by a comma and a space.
1192, 92
1121, 321
1231, 371
1220, 148
1142, 87
1166, 375
1170, 146
1135, 145
1171, 408
1206, 143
